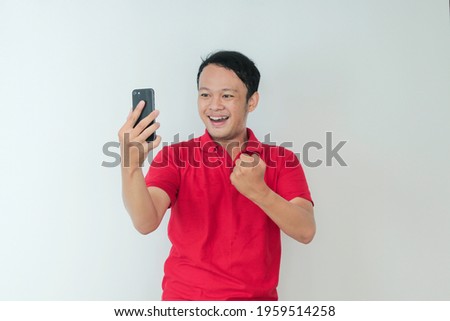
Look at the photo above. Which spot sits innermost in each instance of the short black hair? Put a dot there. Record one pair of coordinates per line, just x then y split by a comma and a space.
242, 66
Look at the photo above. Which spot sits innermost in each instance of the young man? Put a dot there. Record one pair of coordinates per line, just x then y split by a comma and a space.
229, 194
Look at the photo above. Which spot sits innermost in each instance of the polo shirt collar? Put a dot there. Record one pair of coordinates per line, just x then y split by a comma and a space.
253, 144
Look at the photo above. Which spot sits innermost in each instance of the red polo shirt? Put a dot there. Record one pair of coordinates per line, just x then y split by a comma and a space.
224, 247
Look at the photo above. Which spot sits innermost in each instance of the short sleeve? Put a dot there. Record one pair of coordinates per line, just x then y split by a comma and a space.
164, 173
291, 181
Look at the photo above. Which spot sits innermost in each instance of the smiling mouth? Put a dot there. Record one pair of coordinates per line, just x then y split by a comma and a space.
218, 119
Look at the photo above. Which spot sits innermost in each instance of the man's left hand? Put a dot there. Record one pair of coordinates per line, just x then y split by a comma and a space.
248, 176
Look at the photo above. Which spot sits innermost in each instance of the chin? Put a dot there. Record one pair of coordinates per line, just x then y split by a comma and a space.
218, 133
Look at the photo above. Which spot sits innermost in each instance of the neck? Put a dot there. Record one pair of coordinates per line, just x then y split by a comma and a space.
235, 145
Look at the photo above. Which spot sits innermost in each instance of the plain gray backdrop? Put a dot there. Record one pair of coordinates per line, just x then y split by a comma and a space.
375, 74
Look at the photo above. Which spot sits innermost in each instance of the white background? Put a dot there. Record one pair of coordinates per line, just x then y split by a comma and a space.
374, 73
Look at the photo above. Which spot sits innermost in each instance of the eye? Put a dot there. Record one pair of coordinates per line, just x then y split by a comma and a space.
204, 95
227, 96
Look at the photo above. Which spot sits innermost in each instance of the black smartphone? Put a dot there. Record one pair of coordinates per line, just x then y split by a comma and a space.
147, 95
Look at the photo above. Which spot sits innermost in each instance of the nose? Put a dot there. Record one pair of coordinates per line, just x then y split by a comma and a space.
216, 103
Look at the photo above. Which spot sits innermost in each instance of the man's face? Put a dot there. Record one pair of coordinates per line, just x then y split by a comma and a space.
222, 104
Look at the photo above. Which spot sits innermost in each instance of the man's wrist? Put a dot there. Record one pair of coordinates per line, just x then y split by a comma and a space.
131, 170
262, 196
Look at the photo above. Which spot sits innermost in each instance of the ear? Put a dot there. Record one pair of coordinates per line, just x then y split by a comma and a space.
253, 102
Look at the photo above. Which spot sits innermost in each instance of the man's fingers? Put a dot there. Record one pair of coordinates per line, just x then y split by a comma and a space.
135, 132
153, 144
246, 157
129, 115
135, 113
140, 127
248, 160
148, 131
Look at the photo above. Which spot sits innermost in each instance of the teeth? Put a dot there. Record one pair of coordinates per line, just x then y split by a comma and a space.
218, 118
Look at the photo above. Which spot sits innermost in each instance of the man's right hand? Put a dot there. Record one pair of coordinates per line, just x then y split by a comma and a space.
133, 145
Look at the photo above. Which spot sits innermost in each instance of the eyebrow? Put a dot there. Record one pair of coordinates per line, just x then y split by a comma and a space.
224, 89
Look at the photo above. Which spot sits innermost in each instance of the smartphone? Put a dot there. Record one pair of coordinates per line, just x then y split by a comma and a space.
147, 95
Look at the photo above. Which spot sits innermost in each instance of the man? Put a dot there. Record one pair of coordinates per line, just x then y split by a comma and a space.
229, 194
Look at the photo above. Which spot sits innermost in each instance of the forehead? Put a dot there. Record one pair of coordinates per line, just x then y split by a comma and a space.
217, 77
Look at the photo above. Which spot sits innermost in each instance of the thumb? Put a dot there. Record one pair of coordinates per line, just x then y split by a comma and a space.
249, 160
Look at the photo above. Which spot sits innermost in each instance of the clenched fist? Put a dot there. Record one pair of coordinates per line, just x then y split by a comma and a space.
248, 176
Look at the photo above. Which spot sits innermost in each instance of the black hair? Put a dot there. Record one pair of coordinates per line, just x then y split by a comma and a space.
242, 66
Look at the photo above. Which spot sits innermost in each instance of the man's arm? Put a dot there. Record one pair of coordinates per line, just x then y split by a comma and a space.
295, 217
146, 206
